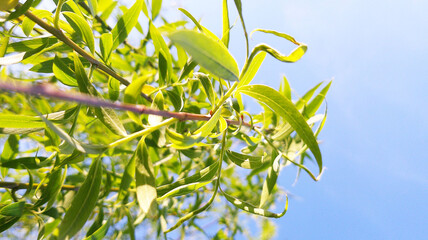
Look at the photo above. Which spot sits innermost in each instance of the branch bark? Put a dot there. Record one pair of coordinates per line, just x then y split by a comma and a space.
47, 90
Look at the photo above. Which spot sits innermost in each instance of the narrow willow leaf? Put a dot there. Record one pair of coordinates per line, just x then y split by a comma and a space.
253, 209
28, 24
285, 88
7, 221
106, 46
188, 67
20, 121
238, 5
50, 192
271, 179
184, 189
126, 23
210, 54
203, 175
285, 108
252, 69
101, 232
180, 141
158, 103
93, 6
308, 95
156, 7
82, 28
113, 89
314, 105
127, 178
26, 162
83, 203
193, 19
11, 59
132, 92
106, 115
206, 129
31, 44
226, 26
245, 161
20, 10
145, 180
161, 47
63, 73
208, 87
13, 210
61, 133
278, 34
176, 99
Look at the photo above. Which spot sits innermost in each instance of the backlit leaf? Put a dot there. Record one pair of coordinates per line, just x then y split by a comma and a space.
210, 54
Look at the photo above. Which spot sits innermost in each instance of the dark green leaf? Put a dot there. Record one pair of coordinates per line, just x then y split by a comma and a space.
83, 203
20, 10
13, 210
245, 161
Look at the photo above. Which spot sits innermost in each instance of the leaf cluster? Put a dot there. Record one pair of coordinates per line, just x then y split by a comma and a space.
80, 169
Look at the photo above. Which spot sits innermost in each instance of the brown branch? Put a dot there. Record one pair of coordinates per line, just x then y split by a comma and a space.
16, 186
47, 90
62, 37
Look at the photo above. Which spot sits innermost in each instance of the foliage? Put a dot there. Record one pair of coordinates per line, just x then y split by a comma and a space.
105, 137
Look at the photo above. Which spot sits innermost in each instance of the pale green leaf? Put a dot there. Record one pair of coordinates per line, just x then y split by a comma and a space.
210, 54
245, 161
145, 180
252, 69
63, 72
126, 23
82, 28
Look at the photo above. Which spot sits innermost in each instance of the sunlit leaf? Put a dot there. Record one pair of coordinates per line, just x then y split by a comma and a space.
82, 27
126, 23
210, 54
245, 161
286, 109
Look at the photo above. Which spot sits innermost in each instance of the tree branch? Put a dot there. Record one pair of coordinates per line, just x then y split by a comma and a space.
47, 90
62, 37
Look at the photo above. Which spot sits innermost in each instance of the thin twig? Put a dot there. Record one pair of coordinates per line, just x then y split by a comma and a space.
62, 37
48, 90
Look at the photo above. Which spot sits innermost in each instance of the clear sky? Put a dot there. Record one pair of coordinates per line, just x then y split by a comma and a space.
376, 184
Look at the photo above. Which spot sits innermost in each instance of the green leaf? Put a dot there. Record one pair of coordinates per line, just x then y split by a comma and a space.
180, 141
50, 192
208, 87
13, 210
285, 108
156, 7
203, 175
20, 10
28, 24
101, 232
127, 178
161, 49
271, 178
63, 73
252, 69
145, 180
26, 162
308, 95
82, 28
126, 23
31, 44
245, 161
238, 5
113, 89
226, 27
253, 209
206, 129
93, 7
7, 221
11, 59
106, 115
314, 105
132, 92
285, 88
184, 189
83, 203
210, 54
106, 46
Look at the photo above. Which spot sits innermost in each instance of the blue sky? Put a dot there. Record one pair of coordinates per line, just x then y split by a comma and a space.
374, 141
